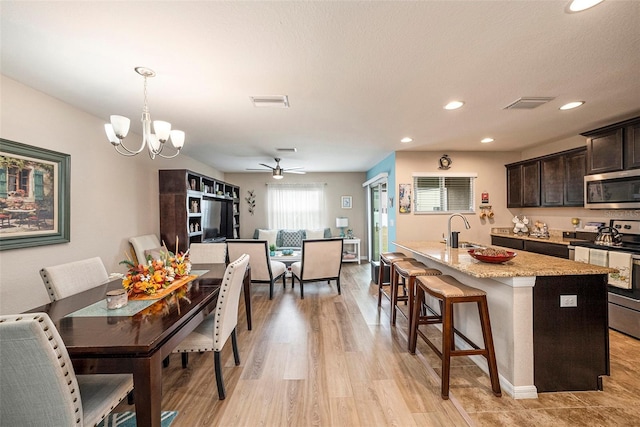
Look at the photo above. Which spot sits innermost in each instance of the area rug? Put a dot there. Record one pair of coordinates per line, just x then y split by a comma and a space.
128, 419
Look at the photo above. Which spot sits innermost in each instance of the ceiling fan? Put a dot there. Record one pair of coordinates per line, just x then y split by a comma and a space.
278, 171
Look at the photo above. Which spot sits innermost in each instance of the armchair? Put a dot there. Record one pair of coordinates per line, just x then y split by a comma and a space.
321, 260
263, 270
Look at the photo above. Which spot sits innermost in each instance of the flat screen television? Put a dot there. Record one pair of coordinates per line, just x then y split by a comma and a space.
214, 220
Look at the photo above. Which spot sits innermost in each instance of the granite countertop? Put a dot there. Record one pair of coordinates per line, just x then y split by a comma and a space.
525, 264
555, 236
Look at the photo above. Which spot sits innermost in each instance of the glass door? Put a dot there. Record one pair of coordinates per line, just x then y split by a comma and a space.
379, 220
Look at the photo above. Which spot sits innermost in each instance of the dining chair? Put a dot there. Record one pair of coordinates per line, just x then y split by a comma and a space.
214, 331
140, 244
263, 269
208, 253
71, 278
321, 260
38, 386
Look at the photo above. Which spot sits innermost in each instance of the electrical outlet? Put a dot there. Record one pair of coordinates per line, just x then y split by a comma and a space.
568, 300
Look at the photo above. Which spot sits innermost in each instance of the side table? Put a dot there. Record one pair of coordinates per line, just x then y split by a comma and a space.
351, 248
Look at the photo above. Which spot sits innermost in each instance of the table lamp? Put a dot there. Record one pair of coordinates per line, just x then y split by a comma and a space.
342, 223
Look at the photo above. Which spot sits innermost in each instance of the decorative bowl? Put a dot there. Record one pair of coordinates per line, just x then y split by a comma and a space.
287, 252
492, 259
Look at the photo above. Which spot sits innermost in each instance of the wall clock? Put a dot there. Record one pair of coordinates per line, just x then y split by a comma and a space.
445, 162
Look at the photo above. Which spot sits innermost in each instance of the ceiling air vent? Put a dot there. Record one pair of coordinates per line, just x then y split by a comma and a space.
277, 101
287, 150
527, 103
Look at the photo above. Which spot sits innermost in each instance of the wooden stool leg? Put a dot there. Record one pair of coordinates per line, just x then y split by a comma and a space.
394, 293
415, 315
447, 338
483, 310
411, 289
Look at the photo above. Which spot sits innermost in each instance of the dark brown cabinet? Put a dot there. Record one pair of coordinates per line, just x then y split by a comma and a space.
548, 181
539, 247
508, 242
613, 148
195, 208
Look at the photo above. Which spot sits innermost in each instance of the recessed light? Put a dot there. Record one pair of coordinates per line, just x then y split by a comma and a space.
486, 140
572, 105
580, 5
453, 105
406, 139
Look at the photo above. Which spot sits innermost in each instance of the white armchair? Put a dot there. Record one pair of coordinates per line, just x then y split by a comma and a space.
321, 260
71, 278
38, 386
263, 270
208, 253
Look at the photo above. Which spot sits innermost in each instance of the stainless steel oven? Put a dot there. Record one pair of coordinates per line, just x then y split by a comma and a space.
615, 190
624, 304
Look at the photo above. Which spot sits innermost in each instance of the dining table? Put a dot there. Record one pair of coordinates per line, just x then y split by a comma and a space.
139, 336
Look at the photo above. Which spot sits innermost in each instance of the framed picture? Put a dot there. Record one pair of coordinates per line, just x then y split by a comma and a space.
34, 196
404, 197
346, 202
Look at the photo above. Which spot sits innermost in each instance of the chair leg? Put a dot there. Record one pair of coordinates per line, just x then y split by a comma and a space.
218, 370
380, 276
130, 399
271, 289
284, 281
165, 362
394, 296
415, 316
185, 360
483, 309
234, 344
338, 283
301, 288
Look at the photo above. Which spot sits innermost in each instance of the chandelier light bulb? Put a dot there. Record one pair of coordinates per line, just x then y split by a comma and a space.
162, 129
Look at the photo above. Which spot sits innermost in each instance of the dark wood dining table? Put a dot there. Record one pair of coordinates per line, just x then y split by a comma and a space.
138, 344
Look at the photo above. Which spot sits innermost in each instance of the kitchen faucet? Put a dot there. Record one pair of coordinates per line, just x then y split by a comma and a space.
466, 225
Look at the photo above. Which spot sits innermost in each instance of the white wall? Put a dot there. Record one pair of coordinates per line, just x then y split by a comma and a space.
491, 178
112, 197
337, 185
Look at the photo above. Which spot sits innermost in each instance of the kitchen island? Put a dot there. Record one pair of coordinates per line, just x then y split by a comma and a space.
548, 317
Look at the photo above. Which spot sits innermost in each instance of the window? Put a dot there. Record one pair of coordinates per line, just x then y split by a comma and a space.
18, 181
444, 193
296, 206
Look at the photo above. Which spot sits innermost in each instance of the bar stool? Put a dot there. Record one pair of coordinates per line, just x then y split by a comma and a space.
388, 259
450, 291
407, 270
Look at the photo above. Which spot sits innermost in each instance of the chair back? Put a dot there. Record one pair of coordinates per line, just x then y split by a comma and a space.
259, 253
148, 242
74, 277
208, 253
226, 314
321, 258
38, 385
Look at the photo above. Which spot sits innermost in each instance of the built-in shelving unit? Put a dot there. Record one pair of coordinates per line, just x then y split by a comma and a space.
195, 208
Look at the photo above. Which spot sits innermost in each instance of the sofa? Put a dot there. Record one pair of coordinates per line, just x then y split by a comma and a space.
290, 239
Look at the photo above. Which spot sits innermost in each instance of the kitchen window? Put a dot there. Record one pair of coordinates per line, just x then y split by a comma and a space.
444, 193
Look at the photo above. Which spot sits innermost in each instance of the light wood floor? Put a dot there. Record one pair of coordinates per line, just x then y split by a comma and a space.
334, 360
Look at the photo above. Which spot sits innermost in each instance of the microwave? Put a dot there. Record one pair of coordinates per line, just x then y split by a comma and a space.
615, 190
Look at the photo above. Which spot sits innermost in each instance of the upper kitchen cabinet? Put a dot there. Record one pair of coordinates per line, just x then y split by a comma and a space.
613, 148
549, 181
523, 184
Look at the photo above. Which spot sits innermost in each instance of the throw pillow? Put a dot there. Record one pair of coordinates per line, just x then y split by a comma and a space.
268, 235
292, 238
315, 234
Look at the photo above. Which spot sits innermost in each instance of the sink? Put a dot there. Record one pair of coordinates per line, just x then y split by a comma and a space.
468, 245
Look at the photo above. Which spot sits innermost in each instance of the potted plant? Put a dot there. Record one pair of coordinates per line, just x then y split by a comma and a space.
272, 249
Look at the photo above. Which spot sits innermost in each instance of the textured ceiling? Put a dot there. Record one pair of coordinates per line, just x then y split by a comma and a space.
359, 75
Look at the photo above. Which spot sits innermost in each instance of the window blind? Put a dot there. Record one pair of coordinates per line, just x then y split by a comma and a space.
443, 193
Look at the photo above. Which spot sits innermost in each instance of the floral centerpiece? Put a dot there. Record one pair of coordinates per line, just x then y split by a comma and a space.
156, 274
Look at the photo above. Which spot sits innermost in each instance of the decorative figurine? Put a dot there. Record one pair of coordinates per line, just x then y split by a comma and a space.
520, 226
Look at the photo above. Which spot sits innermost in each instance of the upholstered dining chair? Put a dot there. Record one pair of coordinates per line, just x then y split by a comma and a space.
208, 253
140, 244
321, 260
38, 386
263, 269
73, 277
214, 331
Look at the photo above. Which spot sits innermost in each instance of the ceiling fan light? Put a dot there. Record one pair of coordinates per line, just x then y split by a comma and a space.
277, 174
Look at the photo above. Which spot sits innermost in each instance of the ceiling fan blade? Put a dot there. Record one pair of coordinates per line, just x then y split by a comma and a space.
295, 167
290, 171
259, 170
266, 166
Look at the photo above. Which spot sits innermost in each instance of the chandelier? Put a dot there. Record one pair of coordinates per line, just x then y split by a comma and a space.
119, 127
